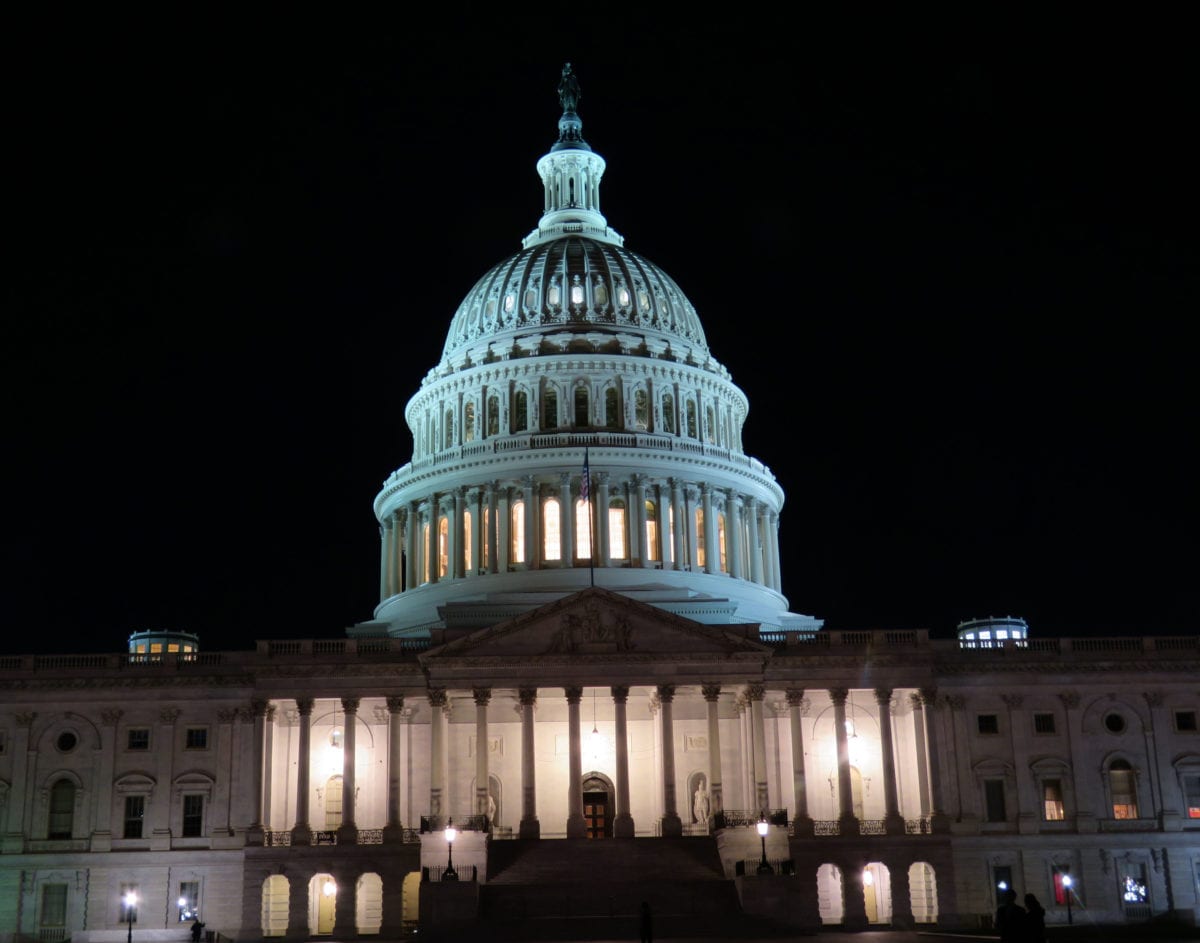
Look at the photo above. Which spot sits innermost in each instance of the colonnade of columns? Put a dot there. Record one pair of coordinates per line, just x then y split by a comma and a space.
733, 533
752, 697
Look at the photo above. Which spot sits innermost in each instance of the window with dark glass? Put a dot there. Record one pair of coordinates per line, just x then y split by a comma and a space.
1191, 795
54, 906
62, 809
612, 412
193, 816
188, 900
988, 723
139, 738
993, 793
1185, 721
135, 815
581, 406
1043, 723
196, 738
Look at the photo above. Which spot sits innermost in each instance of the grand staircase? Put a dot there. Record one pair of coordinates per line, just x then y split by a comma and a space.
562, 889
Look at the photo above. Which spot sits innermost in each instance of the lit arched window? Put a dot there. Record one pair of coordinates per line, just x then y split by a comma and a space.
600, 292
641, 411
576, 294
443, 546
469, 423
581, 406
668, 408
710, 425
551, 530
520, 416
493, 415
700, 548
671, 552
62, 809
612, 414
517, 527
651, 531
583, 530
448, 430
721, 543
1122, 783
530, 298
466, 547
552, 295
483, 539
617, 547
424, 551
550, 408
691, 419
623, 297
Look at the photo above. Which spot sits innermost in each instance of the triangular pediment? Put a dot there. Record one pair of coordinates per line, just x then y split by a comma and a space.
597, 621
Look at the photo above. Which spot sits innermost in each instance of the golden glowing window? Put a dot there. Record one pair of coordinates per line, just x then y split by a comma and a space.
551, 530
467, 544
700, 548
583, 530
651, 531
173, 647
617, 547
483, 538
670, 534
443, 546
156, 648
518, 531
425, 551
1052, 800
721, 543
1122, 782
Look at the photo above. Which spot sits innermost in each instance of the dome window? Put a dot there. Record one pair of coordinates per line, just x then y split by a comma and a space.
553, 296
520, 417
469, 423
623, 296
581, 406
550, 409
601, 293
489, 309
509, 301
691, 420
576, 294
612, 412
668, 413
493, 415
641, 411
643, 299
530, 298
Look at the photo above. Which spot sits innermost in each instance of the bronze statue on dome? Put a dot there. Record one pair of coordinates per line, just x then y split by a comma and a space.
568, 90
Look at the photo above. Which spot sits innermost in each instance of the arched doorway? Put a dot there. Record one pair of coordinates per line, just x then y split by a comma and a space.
829, 893
877, 892
368, 903
922, 883
275, 894
598, 805
322, 904
410, 903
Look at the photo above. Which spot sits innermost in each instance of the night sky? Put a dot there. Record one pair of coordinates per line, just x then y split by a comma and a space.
952, 265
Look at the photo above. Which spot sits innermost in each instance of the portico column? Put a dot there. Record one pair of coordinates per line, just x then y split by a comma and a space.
302, 831
734, 503
482, 696
939, 822
385, 558
773, 549
533, 556
437, 759
846, 817
530, 827
801, 821
679, 550
475, 495
902, 913
755, 548
396, 570
413, 529
712, 558
639, 549
503, 530
918, 726
600, 480
576, 825
431, 550
712, 698
691, 496
755, 694
259, 709
393, 831
893, 822
490, 500
672, 825
455, 566
567, 526
347, 832
623, 823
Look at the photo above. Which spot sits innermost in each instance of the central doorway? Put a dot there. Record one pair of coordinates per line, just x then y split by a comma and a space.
598, 805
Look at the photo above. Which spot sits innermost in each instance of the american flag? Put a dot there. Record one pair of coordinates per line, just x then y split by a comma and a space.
585, 485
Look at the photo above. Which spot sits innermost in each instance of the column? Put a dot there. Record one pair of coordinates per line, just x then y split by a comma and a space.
503, 531
755, 694
893, 821
567, 528
258, 782
847, 820
533, 556
431, 545
773, 549
396, 572
437, 750
734, 533
1170, 800
802, 824
530, 827
160, 813
576, 825
755, 548
938, 820
298, 907
638, 549
691, 496
482, 696
345, 904
14, 839
348, 831
600, 480
490, 499
393, 831
475, 496
918, 726
102, 832
268, 772
902, 914
712, 698
1025, 787
456, 564
412, 577
672, 825
302, 830
623, 823
712, 554
678, 557
385, 559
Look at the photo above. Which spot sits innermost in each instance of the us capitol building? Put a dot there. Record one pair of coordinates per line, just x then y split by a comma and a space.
582, 688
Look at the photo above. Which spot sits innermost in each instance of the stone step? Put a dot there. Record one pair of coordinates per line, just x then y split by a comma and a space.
581, 860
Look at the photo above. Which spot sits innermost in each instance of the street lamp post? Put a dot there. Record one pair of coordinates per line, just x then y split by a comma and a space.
764, 866
1067, 882
130, 901
451, 833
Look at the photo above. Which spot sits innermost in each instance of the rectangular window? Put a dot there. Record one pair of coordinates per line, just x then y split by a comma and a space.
139, 738
1052, 800
993, 793
196, 738
1191, 795
616, 533
193, 816
129, 911
3, 742
1062, 881
54, 906
988, 723
135, 815
1043, 723
1002, 877
188, 900
1185, 721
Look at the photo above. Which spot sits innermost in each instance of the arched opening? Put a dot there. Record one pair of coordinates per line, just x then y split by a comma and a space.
581, 406
612, 412
520, 413
493, 415
641, 411
550, 409
368, 904
829, 894
469, 422
598, 805
583, 530
922, 884
668, 414
410, 904
443, 546
724, 558
275, 893
877, 893
322, 904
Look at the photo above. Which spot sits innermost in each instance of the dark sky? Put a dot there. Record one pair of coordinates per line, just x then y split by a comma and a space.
952, 265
